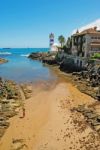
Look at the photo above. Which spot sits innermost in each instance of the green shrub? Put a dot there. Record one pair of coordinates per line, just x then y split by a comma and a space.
96, 56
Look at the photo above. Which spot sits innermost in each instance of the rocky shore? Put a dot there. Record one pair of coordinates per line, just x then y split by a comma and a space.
88, 82
91, 114
11, 98
47, 57
2, 60
86, 79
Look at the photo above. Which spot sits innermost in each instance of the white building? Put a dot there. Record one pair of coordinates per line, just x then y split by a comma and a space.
55, 47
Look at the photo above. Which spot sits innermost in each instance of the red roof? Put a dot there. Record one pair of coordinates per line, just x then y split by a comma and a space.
88, 31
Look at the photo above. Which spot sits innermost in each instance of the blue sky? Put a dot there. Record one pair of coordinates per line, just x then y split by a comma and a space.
27, 23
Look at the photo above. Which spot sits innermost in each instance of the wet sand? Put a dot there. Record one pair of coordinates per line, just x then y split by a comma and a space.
49, 123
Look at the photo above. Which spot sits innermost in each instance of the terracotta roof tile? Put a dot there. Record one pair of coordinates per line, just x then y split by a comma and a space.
88, 31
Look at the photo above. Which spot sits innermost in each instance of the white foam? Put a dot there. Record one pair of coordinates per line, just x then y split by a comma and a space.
5, 53
24, 55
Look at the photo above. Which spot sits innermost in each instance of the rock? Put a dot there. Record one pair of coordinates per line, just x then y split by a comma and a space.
2, 119
98, 118
97, 128
4, 124
98, 93
5, 101
2, 60
35, 56
10, 99
88, 111
95, 123
90, 115
81, 108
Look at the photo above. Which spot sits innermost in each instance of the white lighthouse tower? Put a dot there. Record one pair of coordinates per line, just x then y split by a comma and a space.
51, 40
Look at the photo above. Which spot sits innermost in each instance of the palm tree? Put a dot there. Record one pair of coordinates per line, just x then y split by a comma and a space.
61, 40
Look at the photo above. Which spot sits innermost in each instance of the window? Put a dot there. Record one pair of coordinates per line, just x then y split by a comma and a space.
95, 37
77, 62
80, 63
95, 49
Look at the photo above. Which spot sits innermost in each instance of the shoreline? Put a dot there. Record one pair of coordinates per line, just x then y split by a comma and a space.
82, 85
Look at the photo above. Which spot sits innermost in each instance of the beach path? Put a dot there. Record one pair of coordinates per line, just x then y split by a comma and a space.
49, 123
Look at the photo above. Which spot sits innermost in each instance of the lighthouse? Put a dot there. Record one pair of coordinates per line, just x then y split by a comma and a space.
51, 40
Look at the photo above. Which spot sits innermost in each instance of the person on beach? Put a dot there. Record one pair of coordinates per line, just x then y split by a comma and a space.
23, 112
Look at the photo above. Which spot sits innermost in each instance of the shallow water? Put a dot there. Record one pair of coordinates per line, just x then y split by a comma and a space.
22, 69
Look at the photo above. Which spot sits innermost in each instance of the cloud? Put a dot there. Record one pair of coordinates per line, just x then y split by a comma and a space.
90, 25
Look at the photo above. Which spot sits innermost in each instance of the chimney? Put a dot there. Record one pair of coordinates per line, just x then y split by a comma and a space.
95, 28
77, 31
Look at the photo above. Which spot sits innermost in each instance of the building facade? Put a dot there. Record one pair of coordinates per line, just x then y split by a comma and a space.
86, 43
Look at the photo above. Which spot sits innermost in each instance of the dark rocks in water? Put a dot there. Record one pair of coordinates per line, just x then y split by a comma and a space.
2, 60
36, 56
41, 56
49, 61
47, 57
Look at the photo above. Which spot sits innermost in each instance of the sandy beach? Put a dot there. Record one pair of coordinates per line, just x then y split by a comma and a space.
49, 123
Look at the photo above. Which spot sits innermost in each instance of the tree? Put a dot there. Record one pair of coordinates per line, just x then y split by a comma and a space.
61, 40
67, 47
69, 43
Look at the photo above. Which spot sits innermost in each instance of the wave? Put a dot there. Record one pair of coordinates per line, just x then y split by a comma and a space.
24, 55
5, 53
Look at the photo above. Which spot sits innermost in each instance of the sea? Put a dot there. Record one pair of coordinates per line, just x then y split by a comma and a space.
20, 68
